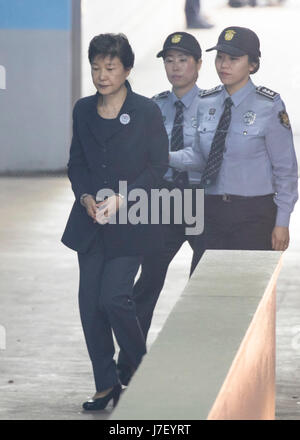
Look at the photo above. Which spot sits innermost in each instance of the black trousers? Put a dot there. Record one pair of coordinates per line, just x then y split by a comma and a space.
153, 273
106, 305
237, 223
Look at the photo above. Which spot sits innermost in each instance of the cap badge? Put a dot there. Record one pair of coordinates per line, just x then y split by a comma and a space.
176, 38
229, 34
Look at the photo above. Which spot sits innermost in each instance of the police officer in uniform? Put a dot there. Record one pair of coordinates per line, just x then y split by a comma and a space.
182, 60
244, 150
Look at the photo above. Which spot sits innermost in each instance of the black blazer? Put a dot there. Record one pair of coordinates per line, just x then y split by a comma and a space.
136, 152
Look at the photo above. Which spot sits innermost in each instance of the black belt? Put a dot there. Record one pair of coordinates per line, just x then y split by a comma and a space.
170, 185
231, 197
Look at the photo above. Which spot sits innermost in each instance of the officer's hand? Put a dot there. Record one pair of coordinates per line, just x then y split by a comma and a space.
280, 238
108, 208
90, 206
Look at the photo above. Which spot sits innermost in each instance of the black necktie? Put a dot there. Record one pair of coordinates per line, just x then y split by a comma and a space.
177, 143
215, 156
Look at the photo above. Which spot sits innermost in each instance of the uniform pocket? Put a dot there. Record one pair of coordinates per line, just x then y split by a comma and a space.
245, 141
245, 130
206, 128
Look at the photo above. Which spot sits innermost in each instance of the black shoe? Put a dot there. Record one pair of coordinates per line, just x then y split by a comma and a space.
237, 3
102, 402
200, 23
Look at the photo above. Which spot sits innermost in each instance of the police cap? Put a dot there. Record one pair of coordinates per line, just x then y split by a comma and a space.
181, 41
238, 41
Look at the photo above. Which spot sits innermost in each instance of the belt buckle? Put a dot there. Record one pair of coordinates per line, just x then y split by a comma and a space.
226, 198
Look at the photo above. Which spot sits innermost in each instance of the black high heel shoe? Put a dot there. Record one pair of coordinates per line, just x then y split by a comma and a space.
102, 402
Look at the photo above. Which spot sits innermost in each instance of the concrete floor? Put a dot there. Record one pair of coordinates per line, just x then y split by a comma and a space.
45, 372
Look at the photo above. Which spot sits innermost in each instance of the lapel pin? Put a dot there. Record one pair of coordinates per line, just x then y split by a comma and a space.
124, 119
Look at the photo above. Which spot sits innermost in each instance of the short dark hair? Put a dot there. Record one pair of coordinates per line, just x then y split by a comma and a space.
113, 45
254, 60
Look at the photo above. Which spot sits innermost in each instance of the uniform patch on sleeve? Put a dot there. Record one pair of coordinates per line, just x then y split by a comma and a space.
209, 92
268, 93
284, 119
161, 95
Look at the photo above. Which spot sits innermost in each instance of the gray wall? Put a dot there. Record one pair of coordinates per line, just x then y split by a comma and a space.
36, 103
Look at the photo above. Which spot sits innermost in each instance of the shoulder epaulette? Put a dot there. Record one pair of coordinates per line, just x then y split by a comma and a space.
209, 92
161, 95
268, 93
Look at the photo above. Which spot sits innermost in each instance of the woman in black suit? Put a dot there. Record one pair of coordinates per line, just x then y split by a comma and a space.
117, 136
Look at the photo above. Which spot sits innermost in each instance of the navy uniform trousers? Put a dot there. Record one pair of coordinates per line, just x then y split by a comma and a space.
153, 274
154, 268
233, 222
243, 223
105, 303
236, 222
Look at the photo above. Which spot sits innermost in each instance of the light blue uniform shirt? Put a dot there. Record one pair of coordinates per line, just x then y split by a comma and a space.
259, 156
166, 102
